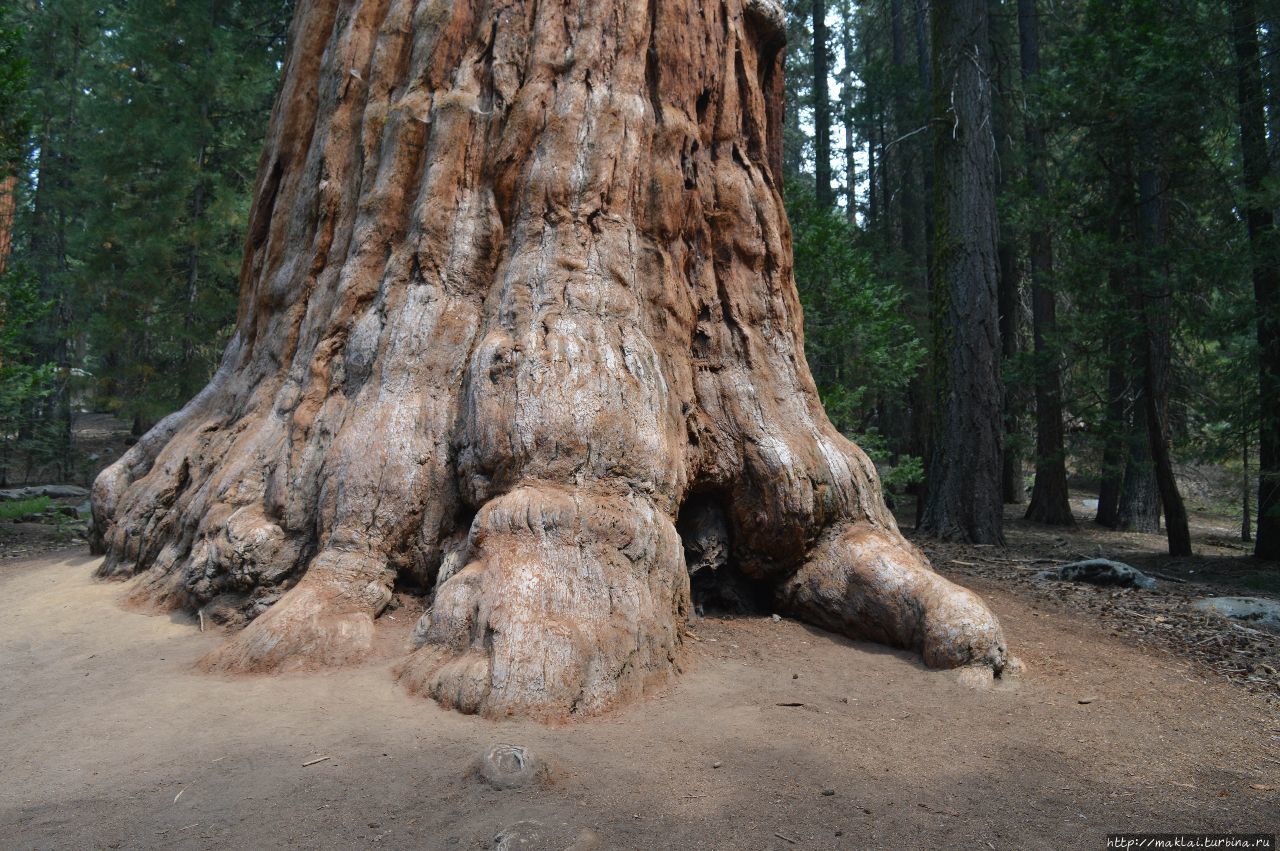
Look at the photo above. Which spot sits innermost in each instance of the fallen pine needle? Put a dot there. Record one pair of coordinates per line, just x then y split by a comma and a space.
177, 796
785, 838
315, 761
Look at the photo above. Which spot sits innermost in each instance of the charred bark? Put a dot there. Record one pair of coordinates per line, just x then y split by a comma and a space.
518, 286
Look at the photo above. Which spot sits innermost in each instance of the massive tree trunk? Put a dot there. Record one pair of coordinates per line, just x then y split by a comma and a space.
1050, 498
964, 498
517, 298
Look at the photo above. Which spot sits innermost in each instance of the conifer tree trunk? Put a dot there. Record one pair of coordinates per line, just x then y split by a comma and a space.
518, 311
964, 495
1157, 334
847, 99
1260, 221
8, 207
1050, 499
821, 105
1009, 265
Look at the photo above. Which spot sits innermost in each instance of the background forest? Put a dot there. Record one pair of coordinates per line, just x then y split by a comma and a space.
1132, 188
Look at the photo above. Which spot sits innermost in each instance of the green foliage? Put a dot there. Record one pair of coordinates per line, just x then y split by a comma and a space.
184, 104
24, 381
19, 508
859, 340
15, 121
147, 126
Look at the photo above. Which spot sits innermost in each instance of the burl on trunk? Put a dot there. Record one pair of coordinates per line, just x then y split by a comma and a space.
516, 301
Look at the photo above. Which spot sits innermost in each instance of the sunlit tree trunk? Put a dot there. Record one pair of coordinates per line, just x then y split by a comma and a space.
518, 325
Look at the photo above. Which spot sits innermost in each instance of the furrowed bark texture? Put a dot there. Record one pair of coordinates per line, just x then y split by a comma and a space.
964, 501
517, 288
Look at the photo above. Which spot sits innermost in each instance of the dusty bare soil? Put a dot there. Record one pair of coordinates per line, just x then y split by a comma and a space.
108, 739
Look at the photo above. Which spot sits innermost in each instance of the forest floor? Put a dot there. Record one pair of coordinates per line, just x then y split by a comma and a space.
776, 735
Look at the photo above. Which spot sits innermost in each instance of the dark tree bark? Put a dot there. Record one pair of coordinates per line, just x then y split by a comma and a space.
1120, 458
1009, 266
518, 295
921, 391
902, 160
1114, 423
1157, 333
1050, 500
1139, 494
1260, 221
8, 207
964, 500
821, 105
1246, 513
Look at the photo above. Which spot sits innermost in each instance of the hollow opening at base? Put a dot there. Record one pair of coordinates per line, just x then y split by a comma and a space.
717, 585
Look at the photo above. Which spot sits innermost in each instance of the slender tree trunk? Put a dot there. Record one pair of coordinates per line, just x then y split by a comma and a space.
1117, 423
1050, 499
1114, 423
1157, 325
1009, 267
965, 500
193, 277
873, 184
1246, 531
8, 207
462, 364
821, 106
922, 389
1139, 494
847, 100
902, 160
1266, 274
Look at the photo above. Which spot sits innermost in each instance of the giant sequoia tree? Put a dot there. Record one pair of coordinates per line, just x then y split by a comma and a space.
518, 325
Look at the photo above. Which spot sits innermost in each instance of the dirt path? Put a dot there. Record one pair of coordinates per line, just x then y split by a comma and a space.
108, 739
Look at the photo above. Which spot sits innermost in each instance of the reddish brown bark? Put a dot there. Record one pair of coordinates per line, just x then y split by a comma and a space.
8, 207
518, 287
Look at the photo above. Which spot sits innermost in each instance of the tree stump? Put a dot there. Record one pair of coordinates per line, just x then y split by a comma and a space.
517, 289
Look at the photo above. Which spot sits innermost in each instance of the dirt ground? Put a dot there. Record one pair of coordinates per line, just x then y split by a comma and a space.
108, 739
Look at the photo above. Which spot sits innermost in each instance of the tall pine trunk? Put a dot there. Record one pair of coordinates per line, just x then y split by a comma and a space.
964, 500
8, 208
821, 106
1260, 221
1009, 266
1050, 500
1156, 301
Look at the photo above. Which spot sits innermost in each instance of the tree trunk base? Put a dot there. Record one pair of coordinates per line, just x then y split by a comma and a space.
518, 291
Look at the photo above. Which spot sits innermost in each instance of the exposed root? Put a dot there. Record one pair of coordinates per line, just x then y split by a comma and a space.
866, 582
326, 621
572, 604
